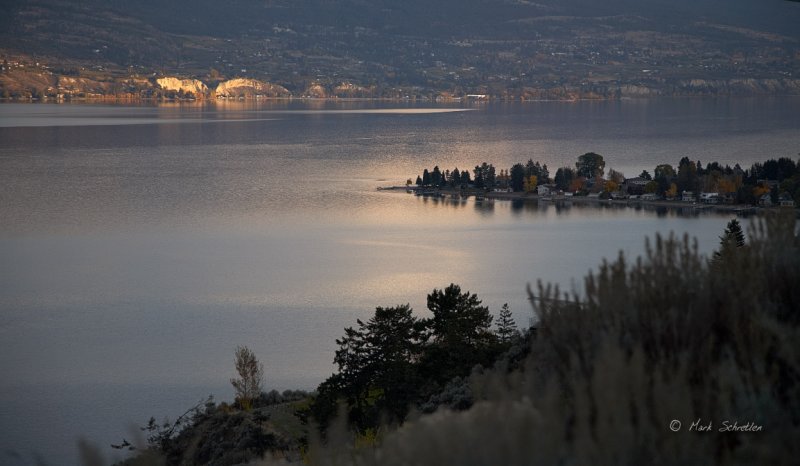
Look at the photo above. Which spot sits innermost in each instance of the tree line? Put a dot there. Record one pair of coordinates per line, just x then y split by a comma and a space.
776, 177
395, 361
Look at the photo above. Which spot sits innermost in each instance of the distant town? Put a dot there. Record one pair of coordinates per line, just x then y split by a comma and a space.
522, 51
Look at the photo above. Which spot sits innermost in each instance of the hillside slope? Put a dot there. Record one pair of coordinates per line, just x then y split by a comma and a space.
499, 47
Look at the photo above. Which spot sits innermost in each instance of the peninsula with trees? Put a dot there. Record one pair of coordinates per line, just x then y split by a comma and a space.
764, 184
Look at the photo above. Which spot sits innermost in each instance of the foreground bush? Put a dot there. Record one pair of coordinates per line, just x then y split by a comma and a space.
629, 370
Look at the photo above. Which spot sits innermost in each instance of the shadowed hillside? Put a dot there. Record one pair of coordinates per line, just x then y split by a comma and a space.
505, 48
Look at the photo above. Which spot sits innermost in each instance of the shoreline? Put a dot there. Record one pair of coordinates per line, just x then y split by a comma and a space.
456, 100
738, 209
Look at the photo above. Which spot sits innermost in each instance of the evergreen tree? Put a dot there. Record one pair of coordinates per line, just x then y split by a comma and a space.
544, 175
376, 365
490, 178
426, 178
459, 320
455, 177
731, 240
436, 176
479, 176
517, 177
564, 177
687, 175
461, 335
506, 327
530, 169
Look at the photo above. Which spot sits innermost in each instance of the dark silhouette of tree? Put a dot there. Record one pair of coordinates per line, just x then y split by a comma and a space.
541, 172
731, 240
459, 319
455, 178
590, 165
436, 176
687, 175
517, 177
460, 333
664, 174
506, 327
377, 374
564, 177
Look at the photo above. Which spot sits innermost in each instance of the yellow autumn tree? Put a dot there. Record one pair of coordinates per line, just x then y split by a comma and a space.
760, 190
672, 191
530, 184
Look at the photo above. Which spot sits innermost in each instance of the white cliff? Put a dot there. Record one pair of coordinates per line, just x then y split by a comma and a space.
194, 86
242, 87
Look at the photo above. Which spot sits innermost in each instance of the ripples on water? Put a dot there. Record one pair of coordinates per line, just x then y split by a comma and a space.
136, 253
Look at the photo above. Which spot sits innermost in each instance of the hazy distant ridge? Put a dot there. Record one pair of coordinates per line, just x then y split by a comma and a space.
503, 48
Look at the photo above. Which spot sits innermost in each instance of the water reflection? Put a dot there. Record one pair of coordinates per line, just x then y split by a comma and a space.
521, 207
122, 244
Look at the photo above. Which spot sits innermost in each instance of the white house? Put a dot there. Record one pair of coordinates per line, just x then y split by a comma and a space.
786, 200
709, 198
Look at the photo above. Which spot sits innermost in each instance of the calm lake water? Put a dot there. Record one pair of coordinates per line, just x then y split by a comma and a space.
140, 245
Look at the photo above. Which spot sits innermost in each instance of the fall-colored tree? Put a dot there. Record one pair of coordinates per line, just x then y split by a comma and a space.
531, 183
577, 184
672, 191
759, 190
726, 185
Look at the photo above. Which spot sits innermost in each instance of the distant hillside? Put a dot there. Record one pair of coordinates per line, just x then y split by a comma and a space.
513, 48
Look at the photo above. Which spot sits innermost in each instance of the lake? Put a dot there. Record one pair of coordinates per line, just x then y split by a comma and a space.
139, 245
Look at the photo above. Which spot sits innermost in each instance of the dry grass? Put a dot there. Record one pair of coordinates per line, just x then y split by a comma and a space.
669, 337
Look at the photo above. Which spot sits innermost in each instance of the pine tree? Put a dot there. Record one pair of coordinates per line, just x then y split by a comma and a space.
506, 327
730, 241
